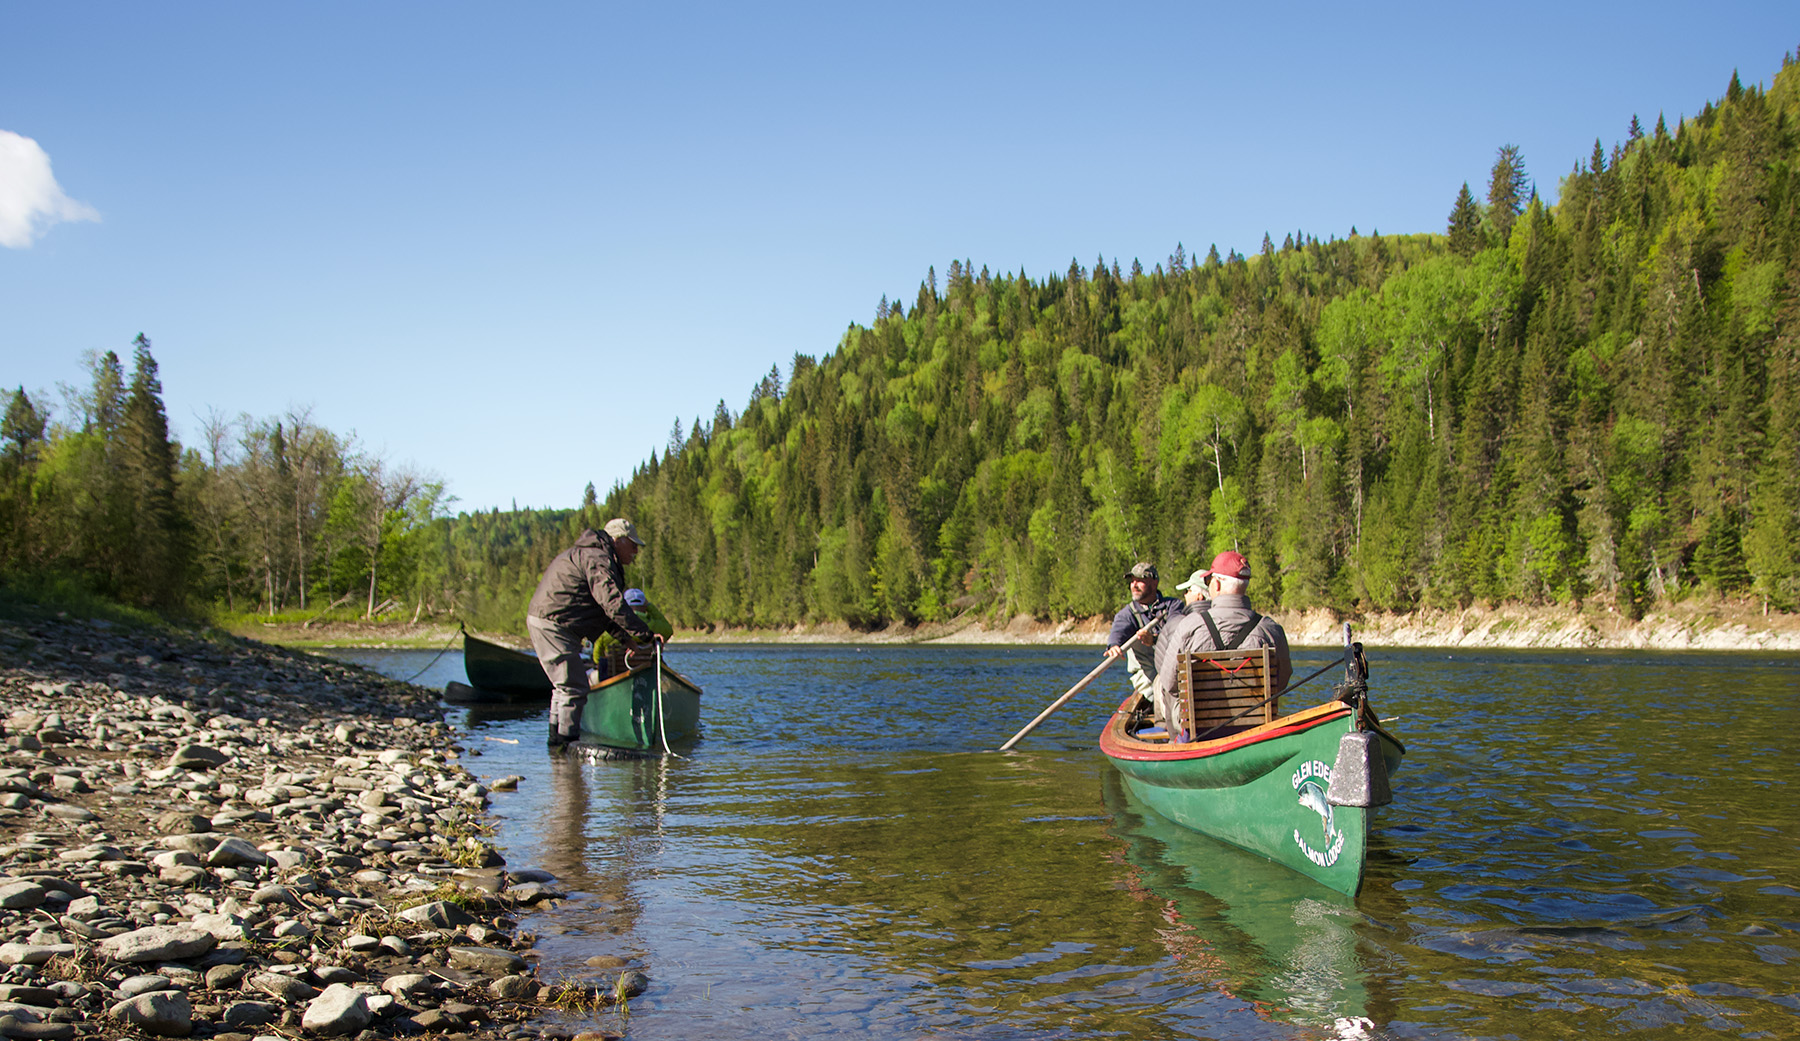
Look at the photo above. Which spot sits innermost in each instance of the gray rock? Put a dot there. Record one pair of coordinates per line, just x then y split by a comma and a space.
165, 1013
33, 953
38, 1031
283, 987
340, 1010
224, 977
436, 1020
158, 943
273, 894
15, 896
439, 913
534, 893
175, 858
406, 984
181, 822
43, 997
194, 842
397, 946
287, 859
489, 961
182, 877
630, 984
513, 988
197, 757
136, 985
221, 926
235, 852
250, 1014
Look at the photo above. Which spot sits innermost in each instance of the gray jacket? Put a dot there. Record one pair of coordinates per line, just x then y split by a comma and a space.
1231, 614
583, 592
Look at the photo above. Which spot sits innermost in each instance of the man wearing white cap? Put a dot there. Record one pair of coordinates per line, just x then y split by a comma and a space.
1226, 623
582, 596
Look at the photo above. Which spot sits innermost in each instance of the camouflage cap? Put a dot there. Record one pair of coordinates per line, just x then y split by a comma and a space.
620, 528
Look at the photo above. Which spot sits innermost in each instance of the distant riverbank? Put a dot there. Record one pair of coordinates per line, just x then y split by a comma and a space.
1713, 625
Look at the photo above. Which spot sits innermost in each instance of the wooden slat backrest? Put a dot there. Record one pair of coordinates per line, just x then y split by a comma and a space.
1217, 685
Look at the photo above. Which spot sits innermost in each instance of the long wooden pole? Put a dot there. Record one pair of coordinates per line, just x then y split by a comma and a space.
1076, 689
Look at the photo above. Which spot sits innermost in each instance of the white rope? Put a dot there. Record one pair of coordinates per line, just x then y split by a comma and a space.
662, 729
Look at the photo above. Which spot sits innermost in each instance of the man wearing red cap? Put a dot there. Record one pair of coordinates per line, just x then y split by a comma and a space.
1228, 623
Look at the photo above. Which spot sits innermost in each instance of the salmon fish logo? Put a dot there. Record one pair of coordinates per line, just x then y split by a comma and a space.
1312, 796
1310, 781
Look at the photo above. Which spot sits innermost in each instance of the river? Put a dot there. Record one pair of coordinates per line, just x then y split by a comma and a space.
1597, 844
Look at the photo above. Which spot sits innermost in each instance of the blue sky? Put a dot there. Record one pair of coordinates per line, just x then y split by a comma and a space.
511, 244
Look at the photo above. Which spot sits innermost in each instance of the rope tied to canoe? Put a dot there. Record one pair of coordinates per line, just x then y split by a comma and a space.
439, 654
662, 729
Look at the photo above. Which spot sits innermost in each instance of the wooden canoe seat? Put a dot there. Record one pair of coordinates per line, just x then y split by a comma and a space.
1217, 685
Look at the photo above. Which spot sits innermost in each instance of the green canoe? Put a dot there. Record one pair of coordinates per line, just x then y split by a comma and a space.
503, 671
628, 711
1267, 788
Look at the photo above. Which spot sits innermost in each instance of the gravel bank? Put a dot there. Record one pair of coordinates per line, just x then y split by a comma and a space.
213, 838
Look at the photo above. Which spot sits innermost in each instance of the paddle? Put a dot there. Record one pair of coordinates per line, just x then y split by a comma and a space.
1076, 689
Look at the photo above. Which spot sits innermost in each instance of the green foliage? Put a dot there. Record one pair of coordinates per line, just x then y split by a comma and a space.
1598, 399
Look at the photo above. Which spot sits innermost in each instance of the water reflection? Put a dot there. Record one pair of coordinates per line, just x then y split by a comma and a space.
1273, 938
1581, 845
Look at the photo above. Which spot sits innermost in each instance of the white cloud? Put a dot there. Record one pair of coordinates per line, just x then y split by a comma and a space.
30, 198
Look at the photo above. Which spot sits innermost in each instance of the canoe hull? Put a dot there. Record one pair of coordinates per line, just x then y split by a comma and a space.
1263, 790
626, 711
462, 694
502, 670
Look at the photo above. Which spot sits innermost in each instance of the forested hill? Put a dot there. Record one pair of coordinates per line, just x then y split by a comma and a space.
1595, 402
1592, 401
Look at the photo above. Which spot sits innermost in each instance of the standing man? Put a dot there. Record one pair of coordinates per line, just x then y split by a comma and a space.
582, 594
1147, 605
1228, 623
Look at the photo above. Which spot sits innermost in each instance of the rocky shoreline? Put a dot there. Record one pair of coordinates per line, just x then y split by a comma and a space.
1697, 624
208, 837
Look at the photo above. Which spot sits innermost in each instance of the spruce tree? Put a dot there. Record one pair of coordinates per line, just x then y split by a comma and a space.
1465, 224
1508, 190
22, 431
156, 564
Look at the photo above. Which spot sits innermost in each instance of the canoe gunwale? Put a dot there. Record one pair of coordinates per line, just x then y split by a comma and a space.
620, 677
1118, 744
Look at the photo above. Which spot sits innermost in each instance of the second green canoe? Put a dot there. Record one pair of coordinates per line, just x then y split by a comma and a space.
630, 712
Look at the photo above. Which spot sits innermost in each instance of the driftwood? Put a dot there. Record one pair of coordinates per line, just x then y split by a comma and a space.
339, 602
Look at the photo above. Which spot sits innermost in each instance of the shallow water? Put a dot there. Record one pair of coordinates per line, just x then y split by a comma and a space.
1598, 844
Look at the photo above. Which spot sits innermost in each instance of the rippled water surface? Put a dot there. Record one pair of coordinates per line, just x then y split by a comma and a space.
1597, 845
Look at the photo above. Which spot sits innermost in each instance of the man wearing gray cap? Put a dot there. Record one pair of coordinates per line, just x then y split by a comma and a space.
1147, 607
582, 596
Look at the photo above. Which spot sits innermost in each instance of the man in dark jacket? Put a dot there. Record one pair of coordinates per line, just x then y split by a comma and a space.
1147, 606
582, 596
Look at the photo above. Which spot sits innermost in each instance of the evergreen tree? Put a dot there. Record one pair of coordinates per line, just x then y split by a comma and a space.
21, 432
158, 555
1465, 224
1508, 191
